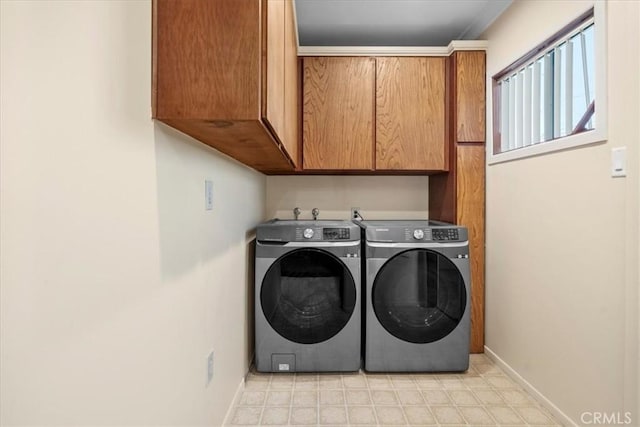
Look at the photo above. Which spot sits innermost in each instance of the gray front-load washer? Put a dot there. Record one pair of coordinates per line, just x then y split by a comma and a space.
307, 296
417, 296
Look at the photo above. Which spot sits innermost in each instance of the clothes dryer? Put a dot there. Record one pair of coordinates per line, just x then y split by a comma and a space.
417, 296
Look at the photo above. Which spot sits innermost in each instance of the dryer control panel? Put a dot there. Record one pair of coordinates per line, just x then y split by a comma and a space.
413, 232
431, 234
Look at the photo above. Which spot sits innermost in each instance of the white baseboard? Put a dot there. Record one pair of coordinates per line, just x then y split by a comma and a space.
236, 397
555, 411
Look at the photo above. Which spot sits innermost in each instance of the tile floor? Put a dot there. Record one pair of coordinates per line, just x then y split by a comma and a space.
483, 396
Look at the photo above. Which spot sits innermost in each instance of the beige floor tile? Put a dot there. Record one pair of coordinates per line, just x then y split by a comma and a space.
402, 381
305, 398
427, 382
333, 415
487, 369
362, 399
489, 397
282, 381
501, 382
354, 381
505, 415
472, 370
436, 397
331, 397
476, 382
419, 415
447, 415
463, 397
384, 397
477, 416
304, 415
390, 415
379, 382
361, 415
257, 381
275, 416
357, 397
252, 398
479, 358
278, 398
246, 416
410, 397
306, 382
516, 398
332, 381
453, 384
534, 416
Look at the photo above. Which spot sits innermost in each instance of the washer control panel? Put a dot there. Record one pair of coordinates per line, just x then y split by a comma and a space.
337, 233
322, 233
445, 234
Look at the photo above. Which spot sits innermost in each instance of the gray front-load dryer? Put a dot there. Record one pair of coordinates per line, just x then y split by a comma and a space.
417, 296
307, 296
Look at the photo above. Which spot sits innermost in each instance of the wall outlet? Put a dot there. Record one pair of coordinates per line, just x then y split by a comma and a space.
208, 195
355, 213
209, 367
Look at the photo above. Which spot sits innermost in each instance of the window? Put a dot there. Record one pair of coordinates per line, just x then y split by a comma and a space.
546, 100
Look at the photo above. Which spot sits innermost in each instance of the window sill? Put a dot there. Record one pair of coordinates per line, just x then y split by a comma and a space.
572, 141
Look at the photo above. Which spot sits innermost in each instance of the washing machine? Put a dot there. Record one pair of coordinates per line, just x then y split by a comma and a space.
307, 296
417, 296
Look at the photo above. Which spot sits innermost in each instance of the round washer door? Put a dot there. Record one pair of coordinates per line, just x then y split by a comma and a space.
419, 296
308, 295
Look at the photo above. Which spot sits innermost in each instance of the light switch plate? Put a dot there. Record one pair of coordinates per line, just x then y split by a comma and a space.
619, 161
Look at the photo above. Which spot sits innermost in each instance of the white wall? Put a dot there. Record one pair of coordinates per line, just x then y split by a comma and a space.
562, 235
378, 197
115, 282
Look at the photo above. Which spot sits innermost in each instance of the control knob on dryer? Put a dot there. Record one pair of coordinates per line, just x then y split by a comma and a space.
418, 234
307, 233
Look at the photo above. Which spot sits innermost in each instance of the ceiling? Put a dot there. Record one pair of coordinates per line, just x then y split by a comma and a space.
393, 22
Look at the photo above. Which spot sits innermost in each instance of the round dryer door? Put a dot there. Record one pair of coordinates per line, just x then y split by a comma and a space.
308, 295
419, 296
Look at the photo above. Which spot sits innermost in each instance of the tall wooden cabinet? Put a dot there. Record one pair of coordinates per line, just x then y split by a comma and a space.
384, 114
459, 195
211, 80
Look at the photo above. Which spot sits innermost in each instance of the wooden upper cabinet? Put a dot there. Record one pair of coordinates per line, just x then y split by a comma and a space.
292, 86
410, 114
220, 76
208, 59
338, 113
273, 99
469, 90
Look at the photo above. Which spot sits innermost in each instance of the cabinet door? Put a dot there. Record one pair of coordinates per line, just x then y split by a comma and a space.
206, 60
469, 70
410, 114
280, 95
291, 134
338, 113
273, 99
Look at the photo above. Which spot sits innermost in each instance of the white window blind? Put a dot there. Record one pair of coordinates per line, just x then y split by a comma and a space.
550, 92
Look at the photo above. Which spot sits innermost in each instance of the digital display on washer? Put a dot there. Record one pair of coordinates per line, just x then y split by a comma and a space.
445, 234
335, 234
